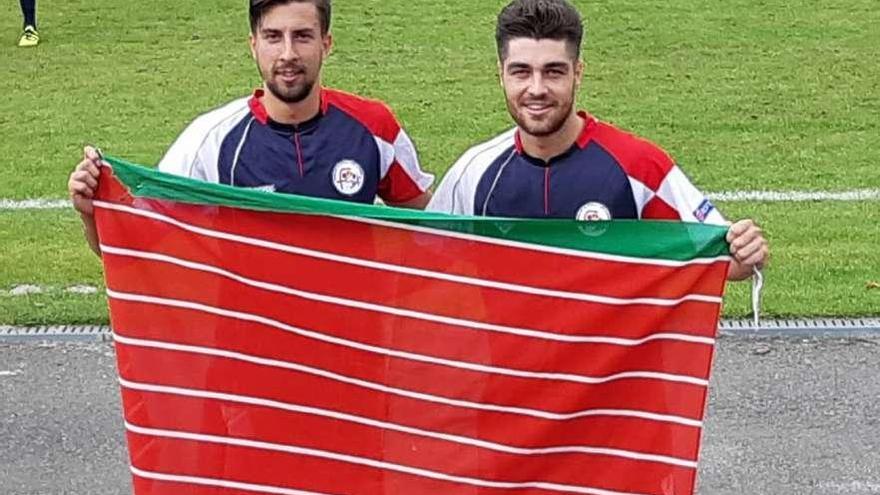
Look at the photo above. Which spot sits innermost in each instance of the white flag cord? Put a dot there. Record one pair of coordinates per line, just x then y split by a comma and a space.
757, 287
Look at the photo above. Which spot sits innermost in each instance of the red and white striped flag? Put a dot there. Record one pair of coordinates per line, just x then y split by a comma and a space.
285, 345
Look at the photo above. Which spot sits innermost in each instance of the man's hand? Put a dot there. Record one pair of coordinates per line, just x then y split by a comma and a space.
748, 247
83, 181
82, 185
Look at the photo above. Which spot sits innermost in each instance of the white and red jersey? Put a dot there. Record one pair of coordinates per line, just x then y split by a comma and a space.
353, 150
606, 174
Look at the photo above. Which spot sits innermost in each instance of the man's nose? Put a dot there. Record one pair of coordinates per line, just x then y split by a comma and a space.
537, 85
290, 51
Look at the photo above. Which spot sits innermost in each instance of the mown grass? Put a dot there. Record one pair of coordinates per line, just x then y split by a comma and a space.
807, 275
746, 94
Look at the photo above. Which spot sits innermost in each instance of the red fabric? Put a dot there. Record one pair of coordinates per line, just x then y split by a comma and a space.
640, 158
373, 114
262, 351
257, 109
657, 209
397, 186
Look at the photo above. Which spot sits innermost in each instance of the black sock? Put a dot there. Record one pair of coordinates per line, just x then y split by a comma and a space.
29, 11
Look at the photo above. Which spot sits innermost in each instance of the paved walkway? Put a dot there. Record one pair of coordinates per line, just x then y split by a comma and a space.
787, 416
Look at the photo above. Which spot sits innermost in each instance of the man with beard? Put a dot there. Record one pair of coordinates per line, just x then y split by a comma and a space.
292, 135
561, 163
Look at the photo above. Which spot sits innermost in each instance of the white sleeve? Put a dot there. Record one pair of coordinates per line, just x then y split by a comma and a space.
405, 154
458, 189
402, 177
448, 197
182, 158
195, 152
690, 203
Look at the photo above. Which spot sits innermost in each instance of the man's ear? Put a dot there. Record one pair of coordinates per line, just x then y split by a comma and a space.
578, 72
501, 72
252, 42
327, 41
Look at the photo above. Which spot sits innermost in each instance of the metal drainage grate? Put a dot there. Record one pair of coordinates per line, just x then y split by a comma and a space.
834, 327
806, 327
64, 333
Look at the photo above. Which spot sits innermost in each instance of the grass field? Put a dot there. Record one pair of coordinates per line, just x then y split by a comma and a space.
746, 94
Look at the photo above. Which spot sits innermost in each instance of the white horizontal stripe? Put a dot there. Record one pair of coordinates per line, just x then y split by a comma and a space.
524, 332
797, 196
407, 270
474, 442
362, 461
421, 358
233, 485
534, 413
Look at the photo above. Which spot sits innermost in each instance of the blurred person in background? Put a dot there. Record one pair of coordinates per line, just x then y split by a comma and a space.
29, 34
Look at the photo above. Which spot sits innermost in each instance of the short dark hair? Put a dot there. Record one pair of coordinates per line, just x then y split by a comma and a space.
258, 9
539, 19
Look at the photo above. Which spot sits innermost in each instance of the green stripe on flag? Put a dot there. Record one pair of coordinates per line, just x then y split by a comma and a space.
673, 241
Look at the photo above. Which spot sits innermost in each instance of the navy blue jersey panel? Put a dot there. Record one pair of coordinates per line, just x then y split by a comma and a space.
590, 175
528, 188
511, 187
301, 159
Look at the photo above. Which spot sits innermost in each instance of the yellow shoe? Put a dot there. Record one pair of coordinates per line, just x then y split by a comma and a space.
29, 37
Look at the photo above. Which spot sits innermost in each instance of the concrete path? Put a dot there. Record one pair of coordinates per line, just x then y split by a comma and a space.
786, 416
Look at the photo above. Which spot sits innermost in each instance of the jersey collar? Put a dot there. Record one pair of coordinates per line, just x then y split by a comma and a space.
259, 111
580, 143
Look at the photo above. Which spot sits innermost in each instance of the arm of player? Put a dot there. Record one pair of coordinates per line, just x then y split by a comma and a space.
418, 203
81, 187
404, 184
748, 247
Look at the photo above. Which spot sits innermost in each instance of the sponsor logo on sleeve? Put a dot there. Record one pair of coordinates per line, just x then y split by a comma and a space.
705, 208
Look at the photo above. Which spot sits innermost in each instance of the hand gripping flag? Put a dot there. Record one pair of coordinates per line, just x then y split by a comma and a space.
277, 344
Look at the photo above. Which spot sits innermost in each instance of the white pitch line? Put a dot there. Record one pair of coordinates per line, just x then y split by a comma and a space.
19, 290
726, 196
797, 196
34, 204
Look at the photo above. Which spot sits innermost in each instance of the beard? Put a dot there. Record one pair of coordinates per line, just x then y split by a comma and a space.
290, 93
549, 124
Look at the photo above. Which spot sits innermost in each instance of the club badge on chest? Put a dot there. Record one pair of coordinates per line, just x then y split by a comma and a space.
348, 177
592, 212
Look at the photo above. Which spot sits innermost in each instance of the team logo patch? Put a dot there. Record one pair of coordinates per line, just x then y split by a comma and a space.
702, 213
592, 212
348, 177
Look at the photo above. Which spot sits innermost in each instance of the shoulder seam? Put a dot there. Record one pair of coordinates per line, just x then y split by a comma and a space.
490, 145
215, 126
482, 147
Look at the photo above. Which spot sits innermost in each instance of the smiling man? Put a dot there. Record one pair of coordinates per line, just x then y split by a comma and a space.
292, 135
561, 163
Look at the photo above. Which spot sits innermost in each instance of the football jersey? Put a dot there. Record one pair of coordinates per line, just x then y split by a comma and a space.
606, 174
354, 150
